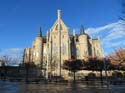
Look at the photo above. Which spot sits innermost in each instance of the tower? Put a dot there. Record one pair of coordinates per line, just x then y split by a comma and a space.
83, 44
82, 30
37, 49
59, 43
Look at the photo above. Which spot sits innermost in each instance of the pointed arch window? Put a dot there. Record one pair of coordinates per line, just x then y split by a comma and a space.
34, 47
63, 36
63, 48
56, 27
61, 27
54, 36
77, 51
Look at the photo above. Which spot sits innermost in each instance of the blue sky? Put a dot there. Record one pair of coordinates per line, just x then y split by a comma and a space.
20, 20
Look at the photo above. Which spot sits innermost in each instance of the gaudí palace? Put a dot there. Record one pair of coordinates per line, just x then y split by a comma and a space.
58, 45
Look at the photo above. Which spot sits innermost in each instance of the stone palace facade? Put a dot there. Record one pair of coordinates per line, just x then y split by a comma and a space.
58, 45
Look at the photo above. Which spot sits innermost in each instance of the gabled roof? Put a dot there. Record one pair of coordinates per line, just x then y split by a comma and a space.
59, 24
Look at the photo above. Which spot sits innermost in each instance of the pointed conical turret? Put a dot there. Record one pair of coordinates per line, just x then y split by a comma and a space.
38, 49
40, 33
82, 30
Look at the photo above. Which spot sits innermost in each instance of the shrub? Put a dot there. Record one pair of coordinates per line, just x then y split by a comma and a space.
117, 74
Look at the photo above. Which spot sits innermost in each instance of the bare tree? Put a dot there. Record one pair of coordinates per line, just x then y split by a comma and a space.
6, 59
9, 60
53, 63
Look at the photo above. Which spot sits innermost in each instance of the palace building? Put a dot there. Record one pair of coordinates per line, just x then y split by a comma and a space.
58, 45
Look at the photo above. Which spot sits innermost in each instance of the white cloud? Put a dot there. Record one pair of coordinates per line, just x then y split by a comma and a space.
15, 49
112, 35
100, 29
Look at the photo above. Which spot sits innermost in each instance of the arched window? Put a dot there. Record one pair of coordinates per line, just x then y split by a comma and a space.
61, 27
54, 36
77, 51
62, 36
56, 27
63, 48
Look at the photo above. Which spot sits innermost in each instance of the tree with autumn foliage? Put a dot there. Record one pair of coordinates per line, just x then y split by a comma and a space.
73, 65
117, 59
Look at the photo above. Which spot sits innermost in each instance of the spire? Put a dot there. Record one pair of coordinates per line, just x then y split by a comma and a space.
98, 37
82, 30
40, 33
59, 14
74, 32
47, 35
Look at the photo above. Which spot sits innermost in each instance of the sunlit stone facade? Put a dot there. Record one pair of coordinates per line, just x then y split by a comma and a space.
58, 45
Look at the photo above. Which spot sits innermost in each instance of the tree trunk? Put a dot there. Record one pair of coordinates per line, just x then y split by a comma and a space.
74, 77
27, 74
101, 77
5, 72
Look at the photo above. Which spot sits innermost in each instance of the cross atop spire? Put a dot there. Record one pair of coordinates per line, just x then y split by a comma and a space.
82, 30
59, 14
40, 33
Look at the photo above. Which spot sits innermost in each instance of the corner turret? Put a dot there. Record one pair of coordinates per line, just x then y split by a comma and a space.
82, 30
40, 33
37, 49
